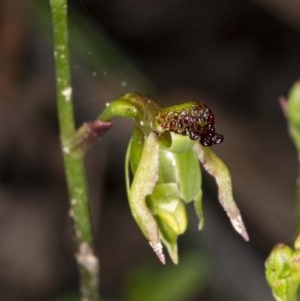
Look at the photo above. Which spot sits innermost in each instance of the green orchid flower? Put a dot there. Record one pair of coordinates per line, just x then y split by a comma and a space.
162, 167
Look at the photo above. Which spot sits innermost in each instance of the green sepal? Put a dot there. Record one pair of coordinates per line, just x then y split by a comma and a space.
136, 149
120, 107
216, 168
176, 143
181, 167
141, 108
142, 185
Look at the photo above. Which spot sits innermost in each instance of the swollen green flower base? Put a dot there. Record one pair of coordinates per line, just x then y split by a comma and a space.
163, 157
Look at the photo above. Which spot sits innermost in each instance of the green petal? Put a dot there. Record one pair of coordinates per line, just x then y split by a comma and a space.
176, 143
199, 209
169, 238
215, 167
142, 185
179, 164
188, 175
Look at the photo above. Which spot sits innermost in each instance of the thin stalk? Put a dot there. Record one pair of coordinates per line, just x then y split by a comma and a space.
73, 158
291, 109
298, 201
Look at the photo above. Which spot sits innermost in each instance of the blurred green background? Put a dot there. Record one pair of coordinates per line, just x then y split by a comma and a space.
237, 56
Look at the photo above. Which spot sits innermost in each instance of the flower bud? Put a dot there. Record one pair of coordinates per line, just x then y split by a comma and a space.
283, 272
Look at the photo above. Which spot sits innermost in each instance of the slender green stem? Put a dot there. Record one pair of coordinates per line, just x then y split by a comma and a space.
298, 201
73, 159
291, 108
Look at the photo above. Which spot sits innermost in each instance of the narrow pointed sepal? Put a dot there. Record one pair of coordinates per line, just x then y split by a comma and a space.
216, 168
142, 185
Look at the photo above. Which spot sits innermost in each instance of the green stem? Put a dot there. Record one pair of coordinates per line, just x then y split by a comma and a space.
298, 201
291, 109
73, 161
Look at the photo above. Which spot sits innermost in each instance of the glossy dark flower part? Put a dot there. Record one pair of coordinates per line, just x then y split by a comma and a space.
194, 119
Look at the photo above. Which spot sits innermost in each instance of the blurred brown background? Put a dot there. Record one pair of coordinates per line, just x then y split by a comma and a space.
237, 56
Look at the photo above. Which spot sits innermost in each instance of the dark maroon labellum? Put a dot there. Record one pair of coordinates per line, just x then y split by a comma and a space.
194, 119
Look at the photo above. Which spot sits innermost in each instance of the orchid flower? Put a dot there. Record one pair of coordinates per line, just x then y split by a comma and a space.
162, 167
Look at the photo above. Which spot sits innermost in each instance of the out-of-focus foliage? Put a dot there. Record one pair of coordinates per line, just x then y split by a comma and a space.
149, 281
172, 283
97, 50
